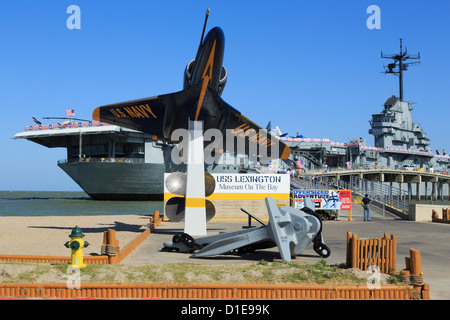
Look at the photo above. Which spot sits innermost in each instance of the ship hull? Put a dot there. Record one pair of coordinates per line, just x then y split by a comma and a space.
118, 180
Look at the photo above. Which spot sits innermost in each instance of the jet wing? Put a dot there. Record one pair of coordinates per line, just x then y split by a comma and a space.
149, 115
268, 146
163, 114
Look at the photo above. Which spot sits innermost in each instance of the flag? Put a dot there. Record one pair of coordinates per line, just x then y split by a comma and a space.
71, 112
348, 165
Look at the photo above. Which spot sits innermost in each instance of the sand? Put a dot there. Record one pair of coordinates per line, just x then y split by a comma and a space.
47, 235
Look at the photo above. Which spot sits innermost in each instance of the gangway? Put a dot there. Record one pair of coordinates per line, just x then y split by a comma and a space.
382, 194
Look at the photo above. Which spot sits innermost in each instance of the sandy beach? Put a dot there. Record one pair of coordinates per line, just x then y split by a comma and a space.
47, 235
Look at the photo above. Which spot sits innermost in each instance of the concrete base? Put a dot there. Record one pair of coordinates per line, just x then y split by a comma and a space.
423, 212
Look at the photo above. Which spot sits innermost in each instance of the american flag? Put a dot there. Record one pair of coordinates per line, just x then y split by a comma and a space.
71, 112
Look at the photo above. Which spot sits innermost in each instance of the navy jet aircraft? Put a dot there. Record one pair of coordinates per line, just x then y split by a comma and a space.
200, 99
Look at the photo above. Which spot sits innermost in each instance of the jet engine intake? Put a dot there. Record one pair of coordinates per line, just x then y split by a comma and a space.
188, 76
222, 81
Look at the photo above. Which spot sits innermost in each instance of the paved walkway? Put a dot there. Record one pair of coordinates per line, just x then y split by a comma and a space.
430, 238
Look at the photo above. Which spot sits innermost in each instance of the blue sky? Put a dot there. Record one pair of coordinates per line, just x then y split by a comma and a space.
311, 67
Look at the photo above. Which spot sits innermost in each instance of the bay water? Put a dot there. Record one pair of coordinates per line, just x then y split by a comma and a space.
68, 203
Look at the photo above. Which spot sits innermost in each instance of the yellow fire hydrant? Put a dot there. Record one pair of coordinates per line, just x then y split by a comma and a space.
77, 244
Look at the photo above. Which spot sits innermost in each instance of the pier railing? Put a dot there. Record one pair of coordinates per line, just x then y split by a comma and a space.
66, 125
379, 192
106, 159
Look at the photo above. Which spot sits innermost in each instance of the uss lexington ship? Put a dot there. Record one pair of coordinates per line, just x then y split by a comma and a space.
110, 162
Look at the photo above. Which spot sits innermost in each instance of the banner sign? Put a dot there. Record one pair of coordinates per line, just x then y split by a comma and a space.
252, 183
323, 199
235, 186
230, 192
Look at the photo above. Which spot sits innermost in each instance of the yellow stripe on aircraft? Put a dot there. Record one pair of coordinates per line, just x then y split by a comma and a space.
206, 79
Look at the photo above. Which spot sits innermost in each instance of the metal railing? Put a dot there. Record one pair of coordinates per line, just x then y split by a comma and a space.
381, 192
72, 124
125, 160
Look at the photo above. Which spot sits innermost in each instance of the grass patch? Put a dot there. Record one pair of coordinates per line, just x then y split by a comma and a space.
263, 272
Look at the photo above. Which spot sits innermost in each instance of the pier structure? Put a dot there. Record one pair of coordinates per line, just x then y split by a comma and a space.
400, 154
436, 181
423, 175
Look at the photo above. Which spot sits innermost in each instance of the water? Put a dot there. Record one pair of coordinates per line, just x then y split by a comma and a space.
65, 203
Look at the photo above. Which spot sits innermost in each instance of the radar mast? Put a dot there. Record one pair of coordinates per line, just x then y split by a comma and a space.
399, 65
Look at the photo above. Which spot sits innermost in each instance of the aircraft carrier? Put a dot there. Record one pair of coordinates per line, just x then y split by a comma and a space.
110, 162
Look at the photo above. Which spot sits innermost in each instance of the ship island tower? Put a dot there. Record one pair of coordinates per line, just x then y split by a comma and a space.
393, 127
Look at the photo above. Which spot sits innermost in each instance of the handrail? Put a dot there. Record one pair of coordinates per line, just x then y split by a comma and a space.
377, 191
66, 125
104, 159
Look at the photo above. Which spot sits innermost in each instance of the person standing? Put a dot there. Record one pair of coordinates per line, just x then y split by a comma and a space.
365, 202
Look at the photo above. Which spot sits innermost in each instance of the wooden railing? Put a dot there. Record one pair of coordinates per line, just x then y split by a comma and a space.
362, 253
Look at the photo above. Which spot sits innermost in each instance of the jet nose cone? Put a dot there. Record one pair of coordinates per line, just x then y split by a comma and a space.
215, 33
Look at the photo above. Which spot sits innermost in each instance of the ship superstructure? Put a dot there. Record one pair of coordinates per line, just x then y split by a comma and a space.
394, 128
399, 142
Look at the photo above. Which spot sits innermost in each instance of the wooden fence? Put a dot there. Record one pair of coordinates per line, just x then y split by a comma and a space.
364, 253
445, 216
204, 291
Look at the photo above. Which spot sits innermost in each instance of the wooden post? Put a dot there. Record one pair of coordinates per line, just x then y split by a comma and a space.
435, 215
415, 266
112, 237
110, 243
354, 251
349, 249
407, 263
105, 237
388, 256
426, 292
394, 254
